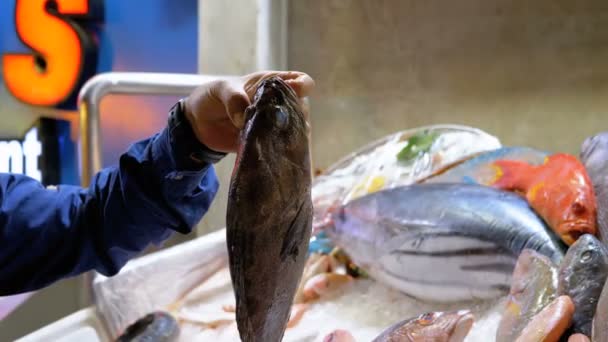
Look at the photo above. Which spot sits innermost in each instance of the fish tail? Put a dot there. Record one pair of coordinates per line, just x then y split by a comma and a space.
510, 175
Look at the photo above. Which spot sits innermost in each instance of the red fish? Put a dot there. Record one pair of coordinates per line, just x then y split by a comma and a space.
559, 190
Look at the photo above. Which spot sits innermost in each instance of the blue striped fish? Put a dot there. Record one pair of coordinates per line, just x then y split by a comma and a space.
442, 242
480, 169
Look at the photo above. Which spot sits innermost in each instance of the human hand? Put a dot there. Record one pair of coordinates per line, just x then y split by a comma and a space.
216, 110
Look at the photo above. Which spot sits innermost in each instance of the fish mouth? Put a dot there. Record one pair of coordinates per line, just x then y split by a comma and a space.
275, 90
572, 230
462, 327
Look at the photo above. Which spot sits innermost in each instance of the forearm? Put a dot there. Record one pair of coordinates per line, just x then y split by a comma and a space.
156, 189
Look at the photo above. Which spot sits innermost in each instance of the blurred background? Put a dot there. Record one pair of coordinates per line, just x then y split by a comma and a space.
530, 73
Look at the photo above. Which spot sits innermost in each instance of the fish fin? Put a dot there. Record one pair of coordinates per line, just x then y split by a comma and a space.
469, 180
511, 175
297, 231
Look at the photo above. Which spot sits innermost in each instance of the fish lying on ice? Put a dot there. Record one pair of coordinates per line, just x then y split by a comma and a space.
269, 217
594, 155
480, 168
582, 275
157, 326
533, 287
559, 190
442, 242
436, 326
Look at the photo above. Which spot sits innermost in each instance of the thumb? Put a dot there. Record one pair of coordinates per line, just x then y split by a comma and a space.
235, 101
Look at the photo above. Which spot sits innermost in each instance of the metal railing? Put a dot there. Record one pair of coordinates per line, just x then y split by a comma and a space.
132, 83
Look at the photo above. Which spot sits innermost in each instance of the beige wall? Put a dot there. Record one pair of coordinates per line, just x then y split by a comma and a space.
530, 72
227, 45
234, 40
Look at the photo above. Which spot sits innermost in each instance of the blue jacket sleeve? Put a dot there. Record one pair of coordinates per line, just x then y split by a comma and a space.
47, 235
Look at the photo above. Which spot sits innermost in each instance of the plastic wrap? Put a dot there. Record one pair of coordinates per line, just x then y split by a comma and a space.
156, 281
398, 159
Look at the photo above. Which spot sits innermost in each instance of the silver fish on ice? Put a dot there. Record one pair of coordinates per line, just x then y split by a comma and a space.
442, 242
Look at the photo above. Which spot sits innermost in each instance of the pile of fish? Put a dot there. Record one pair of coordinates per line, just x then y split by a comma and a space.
442, 214
513, 220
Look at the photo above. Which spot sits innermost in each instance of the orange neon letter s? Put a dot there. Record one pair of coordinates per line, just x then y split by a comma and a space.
61, 47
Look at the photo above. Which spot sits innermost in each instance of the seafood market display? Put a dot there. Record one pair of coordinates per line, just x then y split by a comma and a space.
269, 215
432, 234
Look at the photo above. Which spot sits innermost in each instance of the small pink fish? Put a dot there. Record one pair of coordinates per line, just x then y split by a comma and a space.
339, 335
435, 326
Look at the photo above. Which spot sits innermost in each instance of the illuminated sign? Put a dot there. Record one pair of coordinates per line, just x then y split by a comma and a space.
61, 36
13, 155
46, 153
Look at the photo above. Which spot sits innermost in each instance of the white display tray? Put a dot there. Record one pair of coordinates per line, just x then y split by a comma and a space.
83, 325
154, 281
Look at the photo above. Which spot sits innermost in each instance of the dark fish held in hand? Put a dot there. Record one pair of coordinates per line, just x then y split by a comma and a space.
269, 217
442, 242
582, 275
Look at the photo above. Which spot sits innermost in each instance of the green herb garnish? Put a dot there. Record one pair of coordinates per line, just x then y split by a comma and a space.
417, 145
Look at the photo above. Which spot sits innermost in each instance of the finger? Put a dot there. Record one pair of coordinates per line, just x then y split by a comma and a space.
235, 100
300, 82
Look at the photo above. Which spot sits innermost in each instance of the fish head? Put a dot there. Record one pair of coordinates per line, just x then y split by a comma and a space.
274, 140
569, 199
444, 326
275, 111
356, 228
576, 212
585, 259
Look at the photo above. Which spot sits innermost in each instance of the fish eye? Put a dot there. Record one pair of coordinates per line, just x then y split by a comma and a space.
578, 208
426, 319
586, 256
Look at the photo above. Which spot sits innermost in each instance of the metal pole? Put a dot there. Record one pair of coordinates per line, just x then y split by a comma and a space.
133, 83
89, 100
